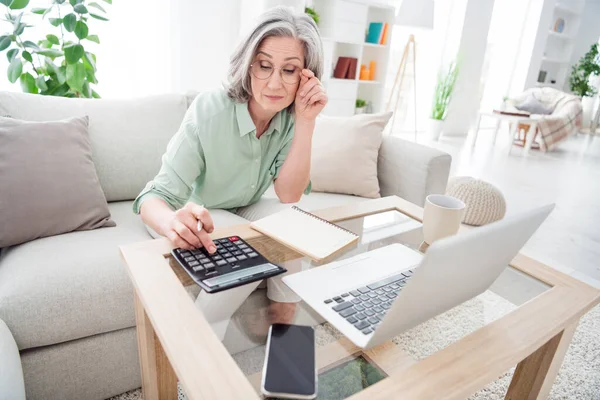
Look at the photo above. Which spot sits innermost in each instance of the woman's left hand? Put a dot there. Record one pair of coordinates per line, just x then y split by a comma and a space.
310, 97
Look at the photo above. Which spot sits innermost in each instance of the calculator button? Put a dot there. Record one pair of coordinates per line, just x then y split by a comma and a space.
184, 253
204, 260
243, 246
252, 255
242, 258
328, 301
237, 253
194, 263
189, 259
246, 250
220, 263
232, 259
196, 252
209, 265
199, 268
238, 242
217, 257
228, 254
234, 239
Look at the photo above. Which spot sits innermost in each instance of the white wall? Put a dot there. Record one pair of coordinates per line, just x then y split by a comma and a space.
588, 34
471, 51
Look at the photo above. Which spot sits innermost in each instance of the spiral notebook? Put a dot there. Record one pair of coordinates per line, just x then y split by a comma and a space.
305, 233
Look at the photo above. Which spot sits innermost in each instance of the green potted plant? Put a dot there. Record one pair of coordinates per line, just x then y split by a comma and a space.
57, 64
443, 94
584, 80
313, 14
360, 106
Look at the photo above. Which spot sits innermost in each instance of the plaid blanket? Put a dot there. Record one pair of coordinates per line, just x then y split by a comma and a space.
564, 121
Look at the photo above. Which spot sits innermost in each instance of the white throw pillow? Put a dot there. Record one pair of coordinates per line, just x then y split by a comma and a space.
344, 154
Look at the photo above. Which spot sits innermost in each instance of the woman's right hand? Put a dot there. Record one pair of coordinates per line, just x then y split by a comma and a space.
182, 230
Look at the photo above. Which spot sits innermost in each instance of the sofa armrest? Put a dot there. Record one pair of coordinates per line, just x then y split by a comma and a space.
410, 170
11, 378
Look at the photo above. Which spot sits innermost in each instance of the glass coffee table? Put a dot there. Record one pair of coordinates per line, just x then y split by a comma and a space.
526, 319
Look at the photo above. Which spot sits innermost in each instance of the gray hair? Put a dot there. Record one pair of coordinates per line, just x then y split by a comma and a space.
279, 21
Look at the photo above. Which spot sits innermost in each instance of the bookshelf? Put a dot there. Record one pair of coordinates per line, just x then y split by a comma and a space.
343, 25
558, 46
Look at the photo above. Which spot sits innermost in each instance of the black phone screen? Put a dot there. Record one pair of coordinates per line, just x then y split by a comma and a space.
290, 366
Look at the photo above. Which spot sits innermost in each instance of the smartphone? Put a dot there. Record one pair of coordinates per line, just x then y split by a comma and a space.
290, 370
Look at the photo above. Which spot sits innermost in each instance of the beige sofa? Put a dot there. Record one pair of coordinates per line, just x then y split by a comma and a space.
67, 299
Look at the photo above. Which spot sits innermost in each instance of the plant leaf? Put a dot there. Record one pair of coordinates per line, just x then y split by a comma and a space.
73, 53
12, 54
61, 75
19, 29
29, 44
100, 17
18, 4
27, 56
69, 22
39, 11
86, 90
53, 39
97, 6
5, 41
55, 21
91, 76
80, 9
108, 1
15, 69
52, 53
6, 2
59, 1
76, 76
93, 38
41, 83
95, 95
89, 62
28, 83
75, 2
81, 30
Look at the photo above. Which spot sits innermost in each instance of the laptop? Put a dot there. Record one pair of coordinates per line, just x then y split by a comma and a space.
374, 296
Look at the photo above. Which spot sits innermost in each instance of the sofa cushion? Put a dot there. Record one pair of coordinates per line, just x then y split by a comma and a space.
49, 181
128, 136
269, 203
344, 154
12, 385
69, 286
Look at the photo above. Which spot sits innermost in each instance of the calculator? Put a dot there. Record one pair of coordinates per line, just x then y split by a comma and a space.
235, 263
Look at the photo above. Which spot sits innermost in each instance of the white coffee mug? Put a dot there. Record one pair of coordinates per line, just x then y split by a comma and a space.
441, 217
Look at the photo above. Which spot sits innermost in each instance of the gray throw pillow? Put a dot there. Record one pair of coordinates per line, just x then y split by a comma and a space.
533, 106
48, 181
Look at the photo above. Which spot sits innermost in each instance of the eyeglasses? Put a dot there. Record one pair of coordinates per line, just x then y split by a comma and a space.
263, 70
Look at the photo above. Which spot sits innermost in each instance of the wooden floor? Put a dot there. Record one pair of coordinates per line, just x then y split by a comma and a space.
568, 176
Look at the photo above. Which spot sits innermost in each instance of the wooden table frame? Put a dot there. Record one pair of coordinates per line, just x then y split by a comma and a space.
175, 341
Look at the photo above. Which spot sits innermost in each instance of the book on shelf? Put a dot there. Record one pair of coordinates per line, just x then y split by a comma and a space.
374, 33
341, 68
352, 69
384, 34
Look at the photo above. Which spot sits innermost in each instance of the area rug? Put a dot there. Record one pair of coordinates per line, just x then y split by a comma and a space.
578, 378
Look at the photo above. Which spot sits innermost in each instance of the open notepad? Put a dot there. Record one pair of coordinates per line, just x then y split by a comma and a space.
305, 233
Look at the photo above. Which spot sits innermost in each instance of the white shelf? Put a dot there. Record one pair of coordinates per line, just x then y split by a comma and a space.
554, 60
343, 80
369, 82
566, 9
338, 41
559, 35
377, 46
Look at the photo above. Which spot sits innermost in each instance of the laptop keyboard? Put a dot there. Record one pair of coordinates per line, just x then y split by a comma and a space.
365, 307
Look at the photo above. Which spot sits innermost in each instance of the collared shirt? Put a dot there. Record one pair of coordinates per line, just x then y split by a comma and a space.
215, 158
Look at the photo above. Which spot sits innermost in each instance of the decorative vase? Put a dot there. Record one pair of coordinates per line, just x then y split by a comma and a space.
434, 128
587, 103
360, 110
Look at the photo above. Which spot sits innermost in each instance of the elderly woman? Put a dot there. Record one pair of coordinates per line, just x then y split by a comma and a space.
234, 142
